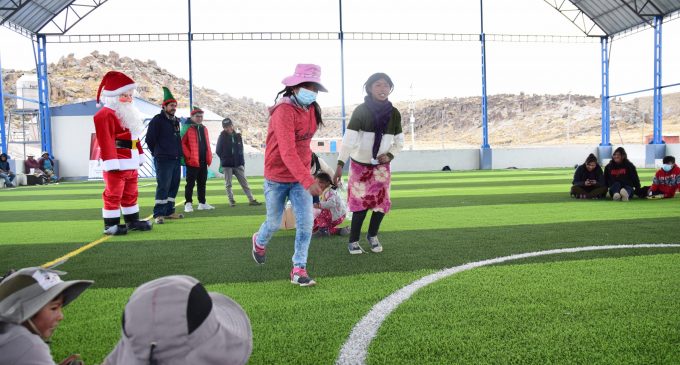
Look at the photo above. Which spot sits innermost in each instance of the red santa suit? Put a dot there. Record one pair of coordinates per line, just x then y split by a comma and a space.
121, 153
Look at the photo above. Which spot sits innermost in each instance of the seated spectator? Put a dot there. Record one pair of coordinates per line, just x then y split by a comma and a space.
31, 302
319, 166
330, 211
5, 172
47, 166
621, 176
174, 320
589, 180
666, 181
32, 167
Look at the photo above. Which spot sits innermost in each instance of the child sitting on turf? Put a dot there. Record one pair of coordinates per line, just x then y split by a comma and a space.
666, 181
330, 211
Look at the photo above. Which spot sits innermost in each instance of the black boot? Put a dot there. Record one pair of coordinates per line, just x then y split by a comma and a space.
112, 227
134, 224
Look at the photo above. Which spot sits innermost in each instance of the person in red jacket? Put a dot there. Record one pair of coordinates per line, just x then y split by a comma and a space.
197, 157
666, 181
119, 126
292, 123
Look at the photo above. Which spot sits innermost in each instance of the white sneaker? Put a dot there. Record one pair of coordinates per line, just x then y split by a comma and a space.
205, 206
188, 208
624, 195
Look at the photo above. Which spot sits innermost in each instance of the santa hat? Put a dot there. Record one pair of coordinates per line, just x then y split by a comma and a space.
167, 97
196, 110
115, 83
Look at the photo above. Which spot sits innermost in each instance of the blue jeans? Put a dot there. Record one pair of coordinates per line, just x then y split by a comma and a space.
167, 185
617, 186
275, 195
9, 177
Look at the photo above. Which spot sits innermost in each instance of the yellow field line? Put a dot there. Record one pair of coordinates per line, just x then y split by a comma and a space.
84, 248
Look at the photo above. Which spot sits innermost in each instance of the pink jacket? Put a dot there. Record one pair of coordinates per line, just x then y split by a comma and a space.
288, 155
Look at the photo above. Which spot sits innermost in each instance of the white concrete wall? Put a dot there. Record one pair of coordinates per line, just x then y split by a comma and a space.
254, 164
535, 157
673, 150
636, 153
71, 144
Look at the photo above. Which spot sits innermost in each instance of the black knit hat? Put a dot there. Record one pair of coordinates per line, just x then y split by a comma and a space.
226, 122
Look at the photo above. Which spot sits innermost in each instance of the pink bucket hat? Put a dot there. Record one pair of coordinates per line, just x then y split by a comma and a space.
305, 73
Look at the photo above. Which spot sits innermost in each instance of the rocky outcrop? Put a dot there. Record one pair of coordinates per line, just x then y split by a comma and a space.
513, 119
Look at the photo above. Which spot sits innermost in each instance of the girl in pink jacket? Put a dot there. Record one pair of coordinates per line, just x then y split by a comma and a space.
292, 123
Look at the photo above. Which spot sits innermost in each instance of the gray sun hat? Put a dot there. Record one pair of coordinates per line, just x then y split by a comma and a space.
174, 320
25, 292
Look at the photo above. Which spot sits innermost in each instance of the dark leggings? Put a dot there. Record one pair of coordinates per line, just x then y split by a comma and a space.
358, 221
198, 176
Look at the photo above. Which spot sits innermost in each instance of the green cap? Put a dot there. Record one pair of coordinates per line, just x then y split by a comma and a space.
167, 96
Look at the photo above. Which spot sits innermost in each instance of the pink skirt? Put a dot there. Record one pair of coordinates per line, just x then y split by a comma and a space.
369, 187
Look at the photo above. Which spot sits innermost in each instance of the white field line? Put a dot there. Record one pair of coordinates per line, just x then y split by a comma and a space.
355, 348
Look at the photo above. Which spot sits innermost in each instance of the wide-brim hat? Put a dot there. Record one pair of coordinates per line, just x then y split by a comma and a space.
305, 73
176, 321
44, 153
25, 292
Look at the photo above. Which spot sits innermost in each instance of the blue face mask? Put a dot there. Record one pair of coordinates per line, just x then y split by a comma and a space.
305, 97
667, 167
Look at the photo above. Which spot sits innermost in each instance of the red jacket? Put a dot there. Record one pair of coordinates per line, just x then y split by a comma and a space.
190, 146
109, 129
288, 155
667, 182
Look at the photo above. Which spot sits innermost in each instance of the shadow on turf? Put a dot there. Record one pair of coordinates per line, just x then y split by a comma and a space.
243, 209
259, 191
128, 264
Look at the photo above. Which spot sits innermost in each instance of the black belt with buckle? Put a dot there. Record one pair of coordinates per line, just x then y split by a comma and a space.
125, 144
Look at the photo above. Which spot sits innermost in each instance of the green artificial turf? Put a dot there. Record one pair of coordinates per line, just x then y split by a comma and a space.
438, 220
604, 311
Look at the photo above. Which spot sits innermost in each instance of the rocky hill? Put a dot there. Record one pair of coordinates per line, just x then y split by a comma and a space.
516, 120
453, 122
74, 80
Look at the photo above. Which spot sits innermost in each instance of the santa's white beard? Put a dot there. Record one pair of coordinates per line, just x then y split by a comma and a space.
129, 116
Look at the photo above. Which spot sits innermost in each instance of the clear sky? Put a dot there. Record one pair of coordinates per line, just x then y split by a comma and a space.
255, 69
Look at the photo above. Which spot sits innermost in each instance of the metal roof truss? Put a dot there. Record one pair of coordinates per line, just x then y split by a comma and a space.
30, 17
611, 17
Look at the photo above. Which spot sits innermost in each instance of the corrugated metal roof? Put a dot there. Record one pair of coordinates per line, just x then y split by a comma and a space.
615, 16
31, 15
612, 16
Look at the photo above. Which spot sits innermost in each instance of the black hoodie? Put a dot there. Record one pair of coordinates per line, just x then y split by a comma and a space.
625, 173
582, 174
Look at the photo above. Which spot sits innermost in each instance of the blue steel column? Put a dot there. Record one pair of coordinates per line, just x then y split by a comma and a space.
44, 95
3, 138
485, 160
342, 68
658, 112
656, 149
605, 147
191, 81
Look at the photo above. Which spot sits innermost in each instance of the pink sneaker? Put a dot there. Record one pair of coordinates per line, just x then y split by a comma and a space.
259, 252
299, 276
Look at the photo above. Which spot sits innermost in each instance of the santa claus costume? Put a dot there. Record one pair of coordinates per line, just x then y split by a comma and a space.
119, 127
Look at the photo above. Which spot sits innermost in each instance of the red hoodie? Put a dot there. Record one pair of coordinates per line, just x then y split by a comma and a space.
288, 155
667, 182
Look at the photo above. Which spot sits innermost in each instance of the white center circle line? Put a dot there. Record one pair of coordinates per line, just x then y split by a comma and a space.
355, 348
